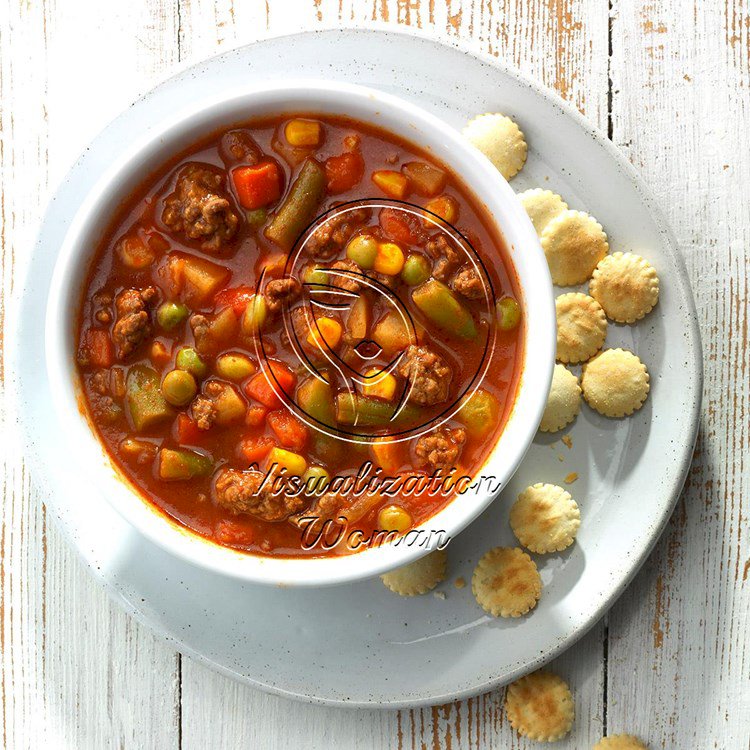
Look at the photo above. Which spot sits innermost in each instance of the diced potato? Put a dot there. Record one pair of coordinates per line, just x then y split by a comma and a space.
358, 322
135, 253
146, 404
255, 315
197, 278
183, 464
392, 333
315, 398
382, 386
387, 454
230, 407
234, 366
393, 184
425, 179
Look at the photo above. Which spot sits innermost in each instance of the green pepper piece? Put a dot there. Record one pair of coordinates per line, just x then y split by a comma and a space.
146, 404
182, 464
315, 398
370, 412
443, 308
479, 413
170, 314
299, 206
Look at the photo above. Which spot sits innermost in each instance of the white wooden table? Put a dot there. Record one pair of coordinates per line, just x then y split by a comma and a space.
669, 81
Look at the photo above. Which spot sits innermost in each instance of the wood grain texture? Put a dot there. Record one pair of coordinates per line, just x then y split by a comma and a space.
679, 662
675, 95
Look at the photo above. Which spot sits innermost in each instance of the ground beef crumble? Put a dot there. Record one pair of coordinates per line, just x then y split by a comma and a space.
133, 322
441, 449
244, 492
429, 374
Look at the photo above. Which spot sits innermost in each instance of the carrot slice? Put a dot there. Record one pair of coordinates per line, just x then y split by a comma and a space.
288, 429
99, 348
188, 432
255, 449
344, 172
257, 186
261, 390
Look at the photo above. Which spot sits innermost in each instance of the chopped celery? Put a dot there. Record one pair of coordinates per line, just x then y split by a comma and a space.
438, 303
299, 206
146, 403
183, 464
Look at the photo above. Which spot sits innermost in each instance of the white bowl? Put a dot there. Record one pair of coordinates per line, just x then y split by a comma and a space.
179, 131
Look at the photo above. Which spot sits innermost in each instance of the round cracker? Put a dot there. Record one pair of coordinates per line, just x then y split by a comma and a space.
418, 577
506, 582
581, 327
563, 402
574, 243
626, 286
615, 383
500, 140
620, 742
540, 706
545, 518
542, 206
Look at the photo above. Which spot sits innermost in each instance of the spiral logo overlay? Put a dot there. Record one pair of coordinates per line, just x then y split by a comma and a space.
334, 288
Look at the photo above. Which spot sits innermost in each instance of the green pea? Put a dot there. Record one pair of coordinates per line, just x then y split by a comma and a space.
178, 387
234, 366
316, 479
255, 315
170, 314
416, 270
508, 313
257, 217
190, 361
313, 275
363, 250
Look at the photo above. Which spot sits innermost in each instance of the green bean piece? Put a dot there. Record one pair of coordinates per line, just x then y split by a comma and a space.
362, 249
416, 270
144, 398
299, 206
254, 317
443, 308
234, 366
183, 464
508, 313
189, 360
178, 387
362, 411
170, 314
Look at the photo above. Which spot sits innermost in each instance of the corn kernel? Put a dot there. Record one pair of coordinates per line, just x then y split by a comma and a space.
294, 464
327, 333
389, 259
302, 133
394, 518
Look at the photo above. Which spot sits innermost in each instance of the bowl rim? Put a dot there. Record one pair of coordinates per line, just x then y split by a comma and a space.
404, 119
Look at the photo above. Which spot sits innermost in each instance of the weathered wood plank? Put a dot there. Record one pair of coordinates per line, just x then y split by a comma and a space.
565, 44
678, 656
76, 671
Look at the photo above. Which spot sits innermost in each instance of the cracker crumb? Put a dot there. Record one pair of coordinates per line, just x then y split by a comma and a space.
567, 440
460, 582
439, 595
571, 477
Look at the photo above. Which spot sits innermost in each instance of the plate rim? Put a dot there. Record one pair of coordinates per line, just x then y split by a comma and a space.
468, 47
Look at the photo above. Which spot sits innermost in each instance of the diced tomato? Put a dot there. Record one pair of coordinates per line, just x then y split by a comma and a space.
234, 532
401, 226
98, 346
237, 298
261, 390
188, 432
344, 172
255, 415
288, 429
257, 186
255, 449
